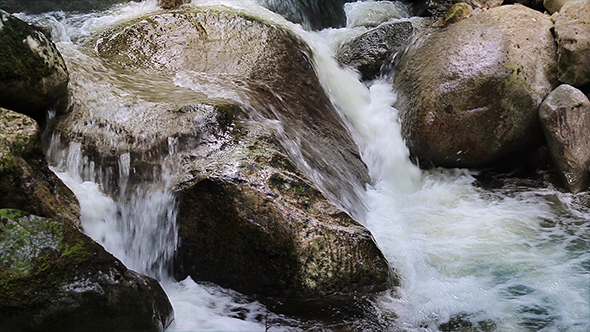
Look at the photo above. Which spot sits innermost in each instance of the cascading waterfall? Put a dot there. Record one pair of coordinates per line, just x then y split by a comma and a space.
512, 257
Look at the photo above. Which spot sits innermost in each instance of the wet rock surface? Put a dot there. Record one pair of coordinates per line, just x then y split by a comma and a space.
565, 116
26, 182
376, 47
54, 278
572, 31
172, 4
373, 13
36, 7
258, 226
312, 14
216, 57
244, 102
33, 75
469, 93
438, 8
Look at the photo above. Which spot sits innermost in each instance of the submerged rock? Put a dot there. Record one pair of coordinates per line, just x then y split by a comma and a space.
245, 110
54, 278
26, 182
33, 75
469, 94
373, 13
312, 14
572, 31
370, 51
565, 116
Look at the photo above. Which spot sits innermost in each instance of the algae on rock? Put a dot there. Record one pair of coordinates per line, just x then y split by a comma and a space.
54, 278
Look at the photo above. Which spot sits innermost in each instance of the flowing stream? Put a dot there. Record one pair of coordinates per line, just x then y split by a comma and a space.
503, 255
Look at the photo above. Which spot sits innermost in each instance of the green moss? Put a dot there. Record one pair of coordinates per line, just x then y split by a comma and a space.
12, 214
456, 13
77, 253
35, 257
514, 76
17, 60
9, 167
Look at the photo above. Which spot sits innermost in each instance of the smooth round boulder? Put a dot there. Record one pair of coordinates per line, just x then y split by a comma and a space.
553, 6
53, 278
469, 94
572, 32
565, 116
33, 75
222, 54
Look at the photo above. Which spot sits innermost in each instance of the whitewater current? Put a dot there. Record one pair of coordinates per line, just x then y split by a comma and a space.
509, 256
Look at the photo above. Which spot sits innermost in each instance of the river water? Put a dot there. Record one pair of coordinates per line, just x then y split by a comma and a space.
503, 255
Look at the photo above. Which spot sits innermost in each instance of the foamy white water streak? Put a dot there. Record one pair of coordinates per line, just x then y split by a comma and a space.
515, 257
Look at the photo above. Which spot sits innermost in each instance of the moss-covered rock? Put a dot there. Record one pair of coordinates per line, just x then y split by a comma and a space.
33, 75
26, 182
469, 94
456, 13
54, 278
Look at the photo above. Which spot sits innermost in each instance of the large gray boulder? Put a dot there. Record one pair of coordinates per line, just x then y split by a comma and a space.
233, 107
469, 94
572, 31
26, 182
553, 6
369, 51
565, 116
53, 278
33, 75
247, 62
259, 226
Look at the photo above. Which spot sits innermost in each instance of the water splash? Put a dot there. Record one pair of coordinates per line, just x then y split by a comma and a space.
139, 226
514, 258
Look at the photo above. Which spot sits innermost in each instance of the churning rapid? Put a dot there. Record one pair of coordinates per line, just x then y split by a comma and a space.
473, 255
